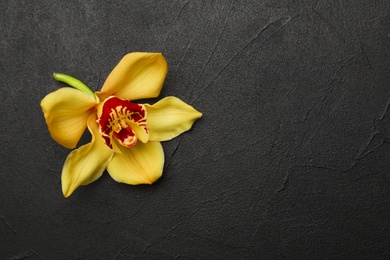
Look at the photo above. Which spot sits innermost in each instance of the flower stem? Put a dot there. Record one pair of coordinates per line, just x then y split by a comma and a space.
73, 82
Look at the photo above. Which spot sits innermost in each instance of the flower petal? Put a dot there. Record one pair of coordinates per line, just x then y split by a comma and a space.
141, 164
66, 112
169, 118
138, 75
87, 163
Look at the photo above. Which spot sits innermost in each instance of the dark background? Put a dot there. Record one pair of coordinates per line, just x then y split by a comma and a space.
290, 159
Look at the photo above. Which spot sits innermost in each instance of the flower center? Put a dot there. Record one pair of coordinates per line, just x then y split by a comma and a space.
123, 120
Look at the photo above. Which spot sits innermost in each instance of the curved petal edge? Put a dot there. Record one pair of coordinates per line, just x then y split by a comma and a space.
86, 164
66, 112
138, 75
169, 118
141, 164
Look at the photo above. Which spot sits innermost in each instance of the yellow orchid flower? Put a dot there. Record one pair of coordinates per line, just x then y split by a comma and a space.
126, 136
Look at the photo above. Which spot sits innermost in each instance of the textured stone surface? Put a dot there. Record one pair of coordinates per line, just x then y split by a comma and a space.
290, 159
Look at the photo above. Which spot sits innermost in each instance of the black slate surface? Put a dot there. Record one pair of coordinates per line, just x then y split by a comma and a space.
290, 159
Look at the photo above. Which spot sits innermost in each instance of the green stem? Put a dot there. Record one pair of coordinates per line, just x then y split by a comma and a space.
73, 82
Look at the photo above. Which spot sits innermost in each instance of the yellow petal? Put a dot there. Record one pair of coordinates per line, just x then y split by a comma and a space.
141, 164
66, 112
138, 75
87, 163
169, 118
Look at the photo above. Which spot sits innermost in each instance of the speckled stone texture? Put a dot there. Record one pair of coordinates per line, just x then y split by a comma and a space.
291, 159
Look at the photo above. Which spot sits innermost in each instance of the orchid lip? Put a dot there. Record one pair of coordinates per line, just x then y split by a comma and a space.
123, 120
